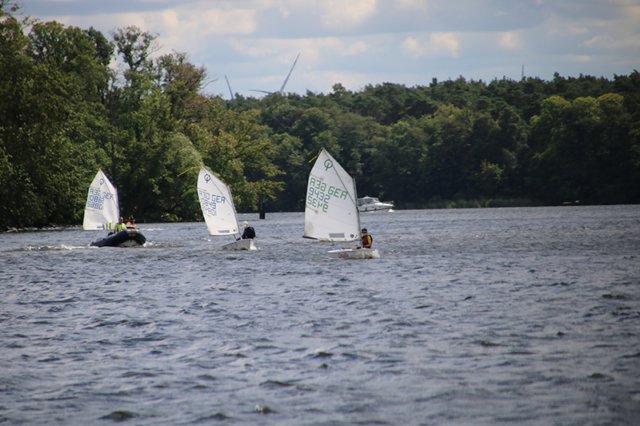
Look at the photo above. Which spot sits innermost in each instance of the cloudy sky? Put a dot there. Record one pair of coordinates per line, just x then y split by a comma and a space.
368, 42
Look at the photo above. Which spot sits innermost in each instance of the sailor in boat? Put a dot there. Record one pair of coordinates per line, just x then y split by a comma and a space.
131, 223
249, 232
120, 226
367, 239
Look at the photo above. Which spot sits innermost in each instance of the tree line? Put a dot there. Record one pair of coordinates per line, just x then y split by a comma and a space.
65, 111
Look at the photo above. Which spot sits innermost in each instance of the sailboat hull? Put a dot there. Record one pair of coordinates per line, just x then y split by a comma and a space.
246, 244
126, 238
354, 254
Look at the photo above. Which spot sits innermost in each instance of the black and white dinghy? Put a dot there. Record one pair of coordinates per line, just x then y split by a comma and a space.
102, 212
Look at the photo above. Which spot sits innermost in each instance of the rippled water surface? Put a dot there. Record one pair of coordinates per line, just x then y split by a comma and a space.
483, 317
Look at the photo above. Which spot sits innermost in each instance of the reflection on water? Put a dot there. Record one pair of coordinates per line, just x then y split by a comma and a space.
513, 316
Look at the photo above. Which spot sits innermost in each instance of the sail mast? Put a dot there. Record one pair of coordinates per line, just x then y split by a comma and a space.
355, 202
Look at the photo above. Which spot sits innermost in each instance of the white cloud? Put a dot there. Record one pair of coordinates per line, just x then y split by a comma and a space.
579, 58
444, 43
437, 44
340, 14
413, 47
187, 30
311, 49
509, 40
355, 48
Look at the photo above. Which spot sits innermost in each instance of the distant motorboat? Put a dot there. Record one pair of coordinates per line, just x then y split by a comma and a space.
372, 204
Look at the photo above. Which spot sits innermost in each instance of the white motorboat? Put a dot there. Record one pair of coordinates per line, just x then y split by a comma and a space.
372, 204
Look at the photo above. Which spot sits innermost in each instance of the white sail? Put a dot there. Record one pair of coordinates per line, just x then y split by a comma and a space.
331, 212
217, 204
102, 204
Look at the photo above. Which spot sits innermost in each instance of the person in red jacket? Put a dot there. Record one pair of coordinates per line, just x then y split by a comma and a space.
367, 239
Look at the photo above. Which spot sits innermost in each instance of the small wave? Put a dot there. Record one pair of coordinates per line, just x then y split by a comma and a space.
561, 284
152, 337
119, 416
49, 302
103, 323
61, 247
137, 323
489, 343
217, 417
157, 245
615, 296
352, 356
273, 384
208, 377
322, 354
601, 377
50, 358
234, 355
138, 374
277, 383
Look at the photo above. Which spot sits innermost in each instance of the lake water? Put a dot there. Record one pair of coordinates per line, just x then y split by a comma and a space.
482, 316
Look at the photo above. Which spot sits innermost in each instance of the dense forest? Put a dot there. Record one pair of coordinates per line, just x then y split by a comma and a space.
65, 111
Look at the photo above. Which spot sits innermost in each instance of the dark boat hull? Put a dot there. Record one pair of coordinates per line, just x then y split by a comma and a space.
126, 238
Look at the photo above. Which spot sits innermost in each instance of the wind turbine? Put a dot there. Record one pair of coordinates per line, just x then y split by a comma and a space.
284, 83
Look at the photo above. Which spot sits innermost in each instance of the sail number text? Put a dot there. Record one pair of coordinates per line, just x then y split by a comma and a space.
96, 198
209, 202
319, 194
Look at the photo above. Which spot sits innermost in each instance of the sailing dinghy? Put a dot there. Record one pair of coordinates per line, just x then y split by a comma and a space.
102, 212
218, 210
331, 210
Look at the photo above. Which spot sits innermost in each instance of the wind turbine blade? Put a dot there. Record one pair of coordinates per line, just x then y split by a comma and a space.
289, 75
229, 86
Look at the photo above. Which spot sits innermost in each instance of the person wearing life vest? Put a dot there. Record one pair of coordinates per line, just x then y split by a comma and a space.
367, 239
115, 227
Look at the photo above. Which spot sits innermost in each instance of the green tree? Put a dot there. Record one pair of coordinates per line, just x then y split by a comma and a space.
401, 162
16, 197
181, 81
451, 163
237, 147
54, 74
584, 151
